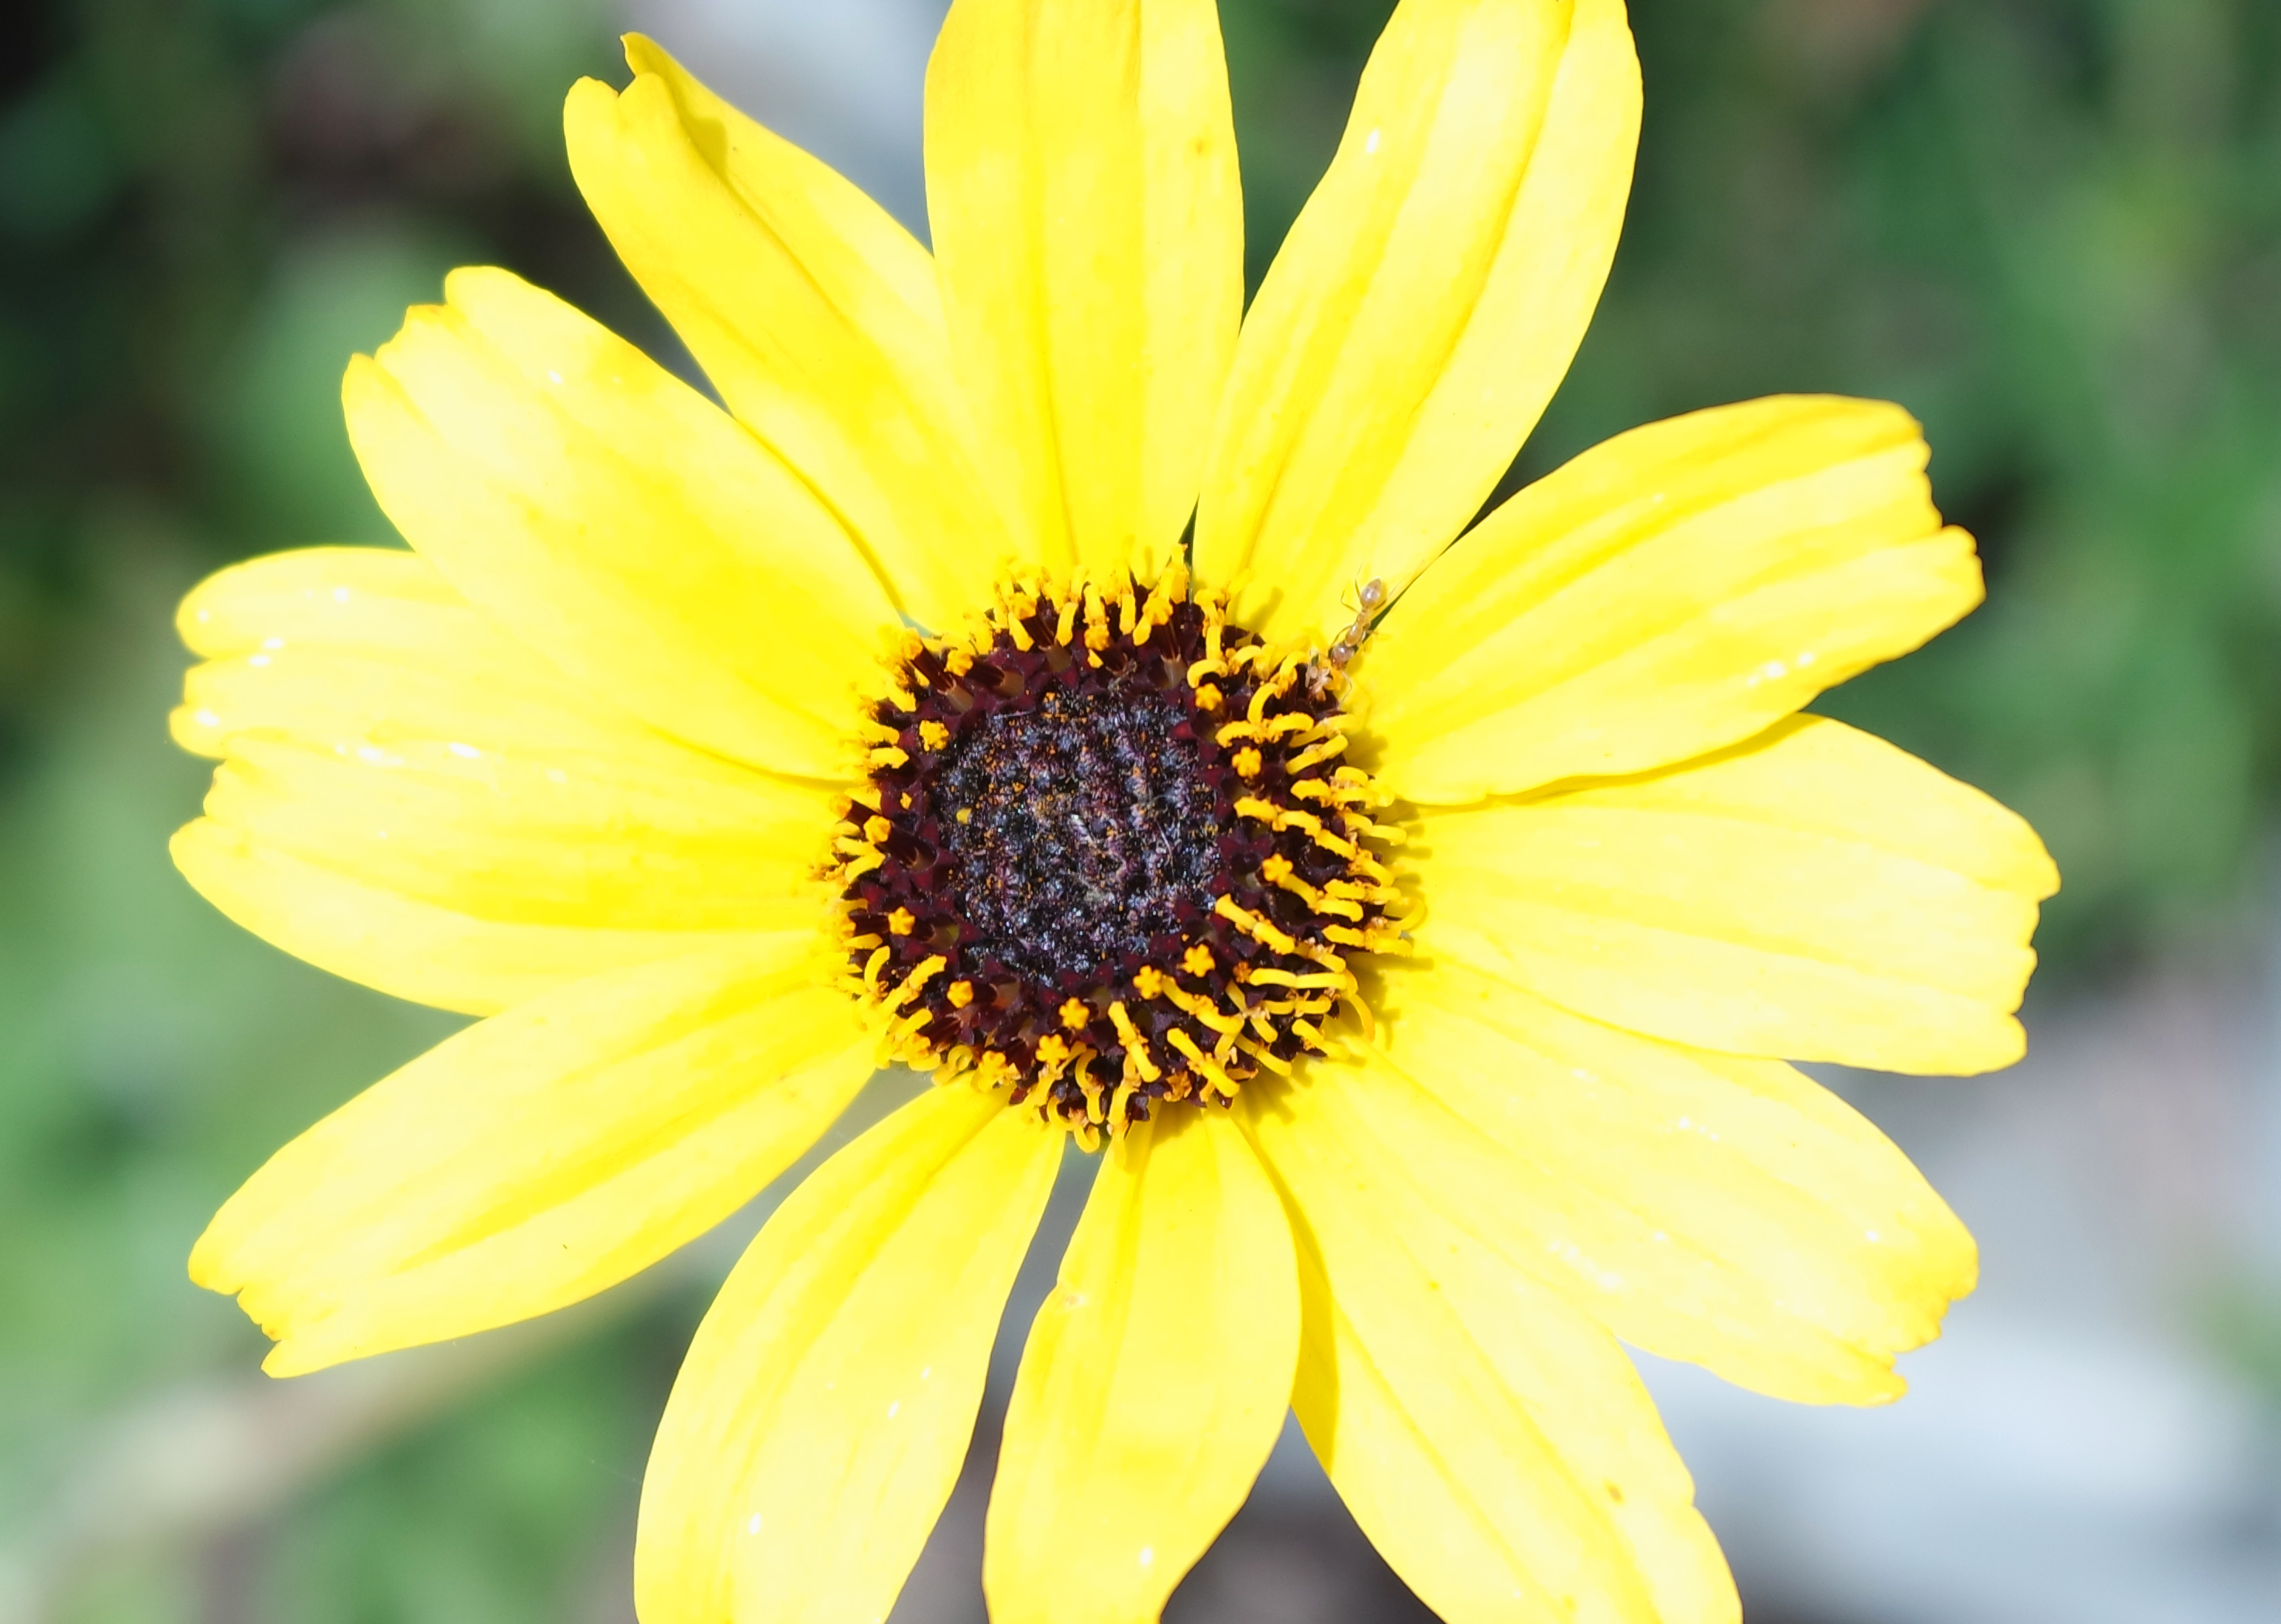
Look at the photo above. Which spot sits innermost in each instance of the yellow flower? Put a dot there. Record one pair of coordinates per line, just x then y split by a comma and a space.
1410, 921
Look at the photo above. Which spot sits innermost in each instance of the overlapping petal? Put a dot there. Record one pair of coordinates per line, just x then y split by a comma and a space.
1425, 304
608, 515
823, 1411
1612, 1254
1486, 1433
1087, 219
1815, 893
1154, 1382
1674, 591
1713, 1208
540, 1155
411, 799
814, 314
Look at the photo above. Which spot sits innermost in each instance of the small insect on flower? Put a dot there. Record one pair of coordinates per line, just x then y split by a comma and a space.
1428, 1014
1323, 675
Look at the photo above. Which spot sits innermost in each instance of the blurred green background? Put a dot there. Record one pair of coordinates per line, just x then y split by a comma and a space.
2050, 227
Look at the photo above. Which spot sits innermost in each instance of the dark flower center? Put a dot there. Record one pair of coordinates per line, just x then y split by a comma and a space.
1110, 857
1079, 834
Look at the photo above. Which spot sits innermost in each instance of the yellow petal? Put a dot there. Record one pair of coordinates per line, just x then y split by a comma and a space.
1815, 893
823, 1411
1488, 1433
1648, 1286
1154, 1382
411, 799
1674, 591
1713, 1208
1081, 183
605, 513
539, 1157
381, 940
1425, 304
814, 314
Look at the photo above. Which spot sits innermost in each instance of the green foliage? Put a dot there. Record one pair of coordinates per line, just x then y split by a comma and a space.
2052, 227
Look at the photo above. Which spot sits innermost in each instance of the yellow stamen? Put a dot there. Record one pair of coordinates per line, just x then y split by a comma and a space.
1315, 755
1200, 1008
1201, 1061
1136, 1046
1270, 976
1267, 694
1266, 1057
1253, 925
928, 968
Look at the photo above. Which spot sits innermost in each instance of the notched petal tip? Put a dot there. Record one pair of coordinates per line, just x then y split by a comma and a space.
362, 380
590, 104
645, 55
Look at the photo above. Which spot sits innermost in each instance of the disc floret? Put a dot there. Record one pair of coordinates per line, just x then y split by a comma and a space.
1109, 856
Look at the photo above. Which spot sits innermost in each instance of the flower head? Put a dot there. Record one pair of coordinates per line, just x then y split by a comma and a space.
1048, 674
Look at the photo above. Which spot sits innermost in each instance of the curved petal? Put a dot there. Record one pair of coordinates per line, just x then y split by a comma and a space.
1829, 1241
541, 1155
1425, 304
1676, 591
1647, 1283
410, 798
1153, 1384
611, 517
814, 314
1815, 893
1489, 1435
385, 940
823, 1411
1088, 226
